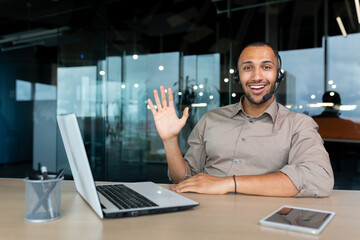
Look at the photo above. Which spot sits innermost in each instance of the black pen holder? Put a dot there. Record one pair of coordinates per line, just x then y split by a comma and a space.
43, 199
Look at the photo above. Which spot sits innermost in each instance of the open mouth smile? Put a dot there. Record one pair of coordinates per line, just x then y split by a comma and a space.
257, 89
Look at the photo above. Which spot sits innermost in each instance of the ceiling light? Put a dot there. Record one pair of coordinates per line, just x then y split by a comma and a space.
357, 6
35, 39
198, 104
33, 34
341, 26
348, 107
319, 105
22, 46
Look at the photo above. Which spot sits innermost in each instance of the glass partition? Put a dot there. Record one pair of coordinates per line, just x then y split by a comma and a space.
344, 73
304, 78
102, 61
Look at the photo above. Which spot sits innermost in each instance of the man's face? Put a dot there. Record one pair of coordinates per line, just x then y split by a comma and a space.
257, 70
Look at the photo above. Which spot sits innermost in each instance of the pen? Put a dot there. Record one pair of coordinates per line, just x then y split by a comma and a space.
45, 176
44, 172
61, 173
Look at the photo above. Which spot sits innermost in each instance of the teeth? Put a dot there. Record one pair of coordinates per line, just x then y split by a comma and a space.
257, 87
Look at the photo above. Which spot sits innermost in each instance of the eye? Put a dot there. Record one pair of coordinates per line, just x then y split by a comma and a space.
247, 68
267, 67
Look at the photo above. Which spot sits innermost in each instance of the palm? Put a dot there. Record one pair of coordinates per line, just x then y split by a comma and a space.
167, 122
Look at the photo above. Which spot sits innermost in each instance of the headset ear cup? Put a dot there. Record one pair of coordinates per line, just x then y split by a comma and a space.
280, 75
280, 72
236, 76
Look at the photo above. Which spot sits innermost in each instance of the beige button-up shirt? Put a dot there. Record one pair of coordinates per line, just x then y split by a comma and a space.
226, 142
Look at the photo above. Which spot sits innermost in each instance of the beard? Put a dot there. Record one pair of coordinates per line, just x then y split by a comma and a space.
253, 101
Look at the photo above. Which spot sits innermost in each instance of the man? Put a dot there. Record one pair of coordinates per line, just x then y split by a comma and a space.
253, 147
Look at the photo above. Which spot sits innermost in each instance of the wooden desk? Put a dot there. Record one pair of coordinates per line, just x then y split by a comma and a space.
217, 217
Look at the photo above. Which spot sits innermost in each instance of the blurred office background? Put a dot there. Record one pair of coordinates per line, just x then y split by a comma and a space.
102, 60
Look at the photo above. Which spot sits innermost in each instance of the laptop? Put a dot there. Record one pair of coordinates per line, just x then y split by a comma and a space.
107, 200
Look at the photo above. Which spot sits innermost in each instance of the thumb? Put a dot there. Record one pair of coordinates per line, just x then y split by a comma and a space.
185, 116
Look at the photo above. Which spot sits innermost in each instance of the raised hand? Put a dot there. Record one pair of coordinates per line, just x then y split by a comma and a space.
167, 122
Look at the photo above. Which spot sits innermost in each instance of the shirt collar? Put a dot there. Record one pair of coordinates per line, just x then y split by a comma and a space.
271, 110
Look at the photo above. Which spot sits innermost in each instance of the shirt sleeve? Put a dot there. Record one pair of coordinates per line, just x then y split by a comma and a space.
196, 155
309, 166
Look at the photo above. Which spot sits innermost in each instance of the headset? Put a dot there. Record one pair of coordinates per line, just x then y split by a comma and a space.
279, 77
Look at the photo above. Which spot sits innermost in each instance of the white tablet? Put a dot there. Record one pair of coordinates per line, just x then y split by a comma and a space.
298, 219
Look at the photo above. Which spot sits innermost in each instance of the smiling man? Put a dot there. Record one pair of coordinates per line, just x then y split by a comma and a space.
255, 146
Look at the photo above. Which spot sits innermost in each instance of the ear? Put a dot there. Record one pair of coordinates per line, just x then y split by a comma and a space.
236, 76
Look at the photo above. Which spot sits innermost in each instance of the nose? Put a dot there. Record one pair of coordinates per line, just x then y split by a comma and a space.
258, 74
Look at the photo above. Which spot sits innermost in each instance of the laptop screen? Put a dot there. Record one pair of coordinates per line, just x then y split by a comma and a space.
79, 164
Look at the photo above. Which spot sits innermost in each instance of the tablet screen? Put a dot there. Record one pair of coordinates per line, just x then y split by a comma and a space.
299, 219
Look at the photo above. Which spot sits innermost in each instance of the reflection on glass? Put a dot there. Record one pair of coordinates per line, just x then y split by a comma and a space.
44, 92
110, 101
200, 90
23, 90
44, 143
331, 125
304, 78
77, 90
344, 71
5, 135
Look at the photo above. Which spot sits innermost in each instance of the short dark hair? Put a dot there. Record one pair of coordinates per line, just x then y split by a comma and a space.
261, 44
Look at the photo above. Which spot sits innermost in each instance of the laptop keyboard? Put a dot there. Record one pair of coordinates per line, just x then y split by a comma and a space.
124, 197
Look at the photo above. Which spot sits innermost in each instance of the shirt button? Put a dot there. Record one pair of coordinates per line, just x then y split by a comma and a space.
243, 139
250, 120
237, 161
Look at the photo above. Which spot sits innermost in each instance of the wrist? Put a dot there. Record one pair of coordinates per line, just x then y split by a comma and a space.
235, 184
170, 140
229, 184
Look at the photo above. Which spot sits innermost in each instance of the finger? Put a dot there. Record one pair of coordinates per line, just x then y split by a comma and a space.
152, 108
180, 187
171, 97
185, 116
187, 182
188, 188
157, 100
163, 97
